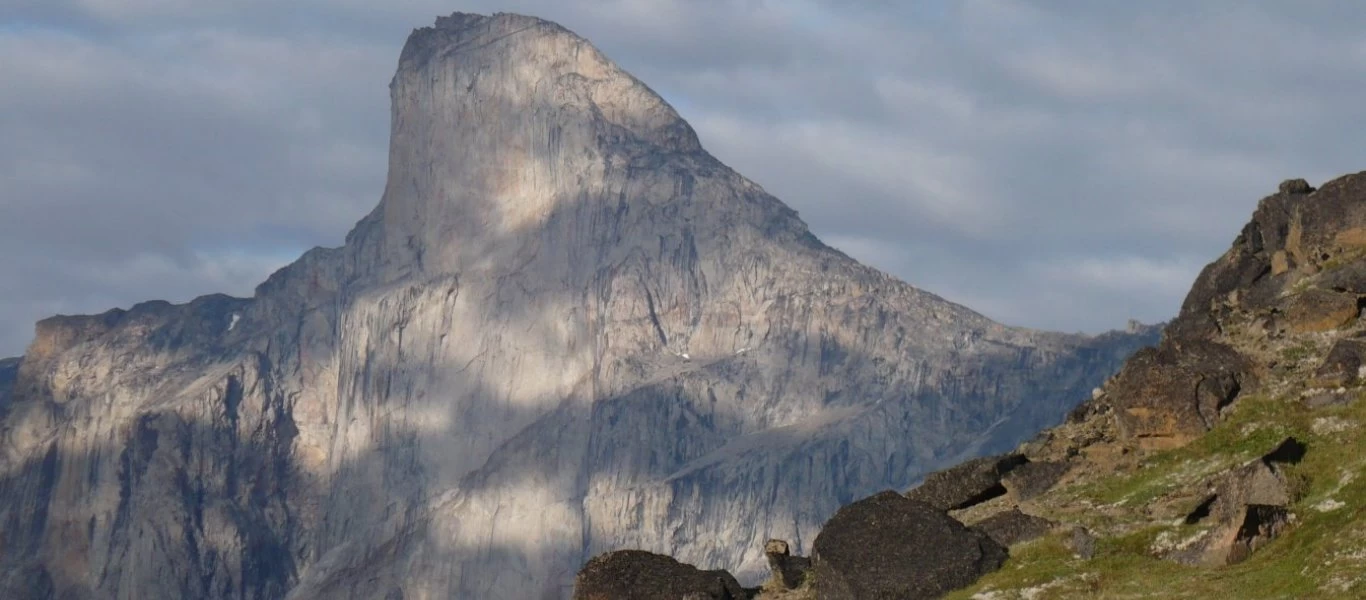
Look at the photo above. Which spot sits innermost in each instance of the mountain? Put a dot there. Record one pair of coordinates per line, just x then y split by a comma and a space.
566, 328
1225, 461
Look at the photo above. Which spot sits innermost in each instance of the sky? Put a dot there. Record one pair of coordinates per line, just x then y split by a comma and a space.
1057, 164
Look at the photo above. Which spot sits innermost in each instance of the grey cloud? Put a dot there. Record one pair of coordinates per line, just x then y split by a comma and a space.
1063, 165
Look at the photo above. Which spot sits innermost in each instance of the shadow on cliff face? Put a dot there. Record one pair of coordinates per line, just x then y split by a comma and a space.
212, 495
225, 511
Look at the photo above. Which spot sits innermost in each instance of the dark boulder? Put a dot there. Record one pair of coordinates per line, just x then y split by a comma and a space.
1232, 541
889, 546
1014, 527
641, 575
1315, 310
967, 484
1248, 508
1295, 186
1168, 395
1032, 479
1343, 364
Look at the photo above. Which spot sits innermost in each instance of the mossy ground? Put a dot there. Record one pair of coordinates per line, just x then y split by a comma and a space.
1323, 555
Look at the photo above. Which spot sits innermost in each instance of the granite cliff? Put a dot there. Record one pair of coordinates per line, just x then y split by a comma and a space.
565, 328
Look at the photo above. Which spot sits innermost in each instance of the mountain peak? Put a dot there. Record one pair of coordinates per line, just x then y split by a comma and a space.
500, 123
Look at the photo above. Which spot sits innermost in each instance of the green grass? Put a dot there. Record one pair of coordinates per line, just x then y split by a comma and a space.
1323, 555
1299, 352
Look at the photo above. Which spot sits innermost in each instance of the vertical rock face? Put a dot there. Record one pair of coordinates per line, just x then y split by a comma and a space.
565, 329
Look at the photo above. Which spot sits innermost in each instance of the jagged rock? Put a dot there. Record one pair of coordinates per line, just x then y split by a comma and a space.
1032, 479
640, 575
1257, 482
1014, 527
1344, 276
1342, 365
565, 329
1247, 507
1306, 232
972, 482
787, 570
1244, 532
1165, 396
1082, 543
1296, 186
889, 546
1316, 310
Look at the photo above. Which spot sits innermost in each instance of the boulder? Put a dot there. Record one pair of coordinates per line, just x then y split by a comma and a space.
1014, 527
967, 484
1342, 365
788, 570
1034, 478
889, 546
1247, 508
1231, 542
1295, 186
1317, 310
1344, 275
641, 575
1166, 396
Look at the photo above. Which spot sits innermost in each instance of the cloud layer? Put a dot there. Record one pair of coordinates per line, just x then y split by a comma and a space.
1061, 165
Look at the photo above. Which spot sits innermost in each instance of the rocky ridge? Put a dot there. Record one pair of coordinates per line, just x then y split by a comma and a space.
1224, 461
565, 328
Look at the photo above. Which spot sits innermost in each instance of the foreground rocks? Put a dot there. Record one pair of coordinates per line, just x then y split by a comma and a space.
787, 571
640, 575
889, 546
972, 482
1166, 396
1014, 527
1247, 509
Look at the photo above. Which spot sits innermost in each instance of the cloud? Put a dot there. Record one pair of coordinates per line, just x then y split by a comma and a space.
1063, 165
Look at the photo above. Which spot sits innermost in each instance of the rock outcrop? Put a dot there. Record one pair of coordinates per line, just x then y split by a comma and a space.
1014, 527
640, 575
565, 329
972, 482
9, 369
889, 546
787, 571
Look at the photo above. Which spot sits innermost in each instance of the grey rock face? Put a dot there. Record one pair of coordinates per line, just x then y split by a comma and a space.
9, 369
565, 329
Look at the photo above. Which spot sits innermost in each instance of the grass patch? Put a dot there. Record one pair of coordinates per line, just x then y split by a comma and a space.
1323, 555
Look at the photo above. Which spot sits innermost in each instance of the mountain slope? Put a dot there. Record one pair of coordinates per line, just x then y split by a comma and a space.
565, 328
1151, 471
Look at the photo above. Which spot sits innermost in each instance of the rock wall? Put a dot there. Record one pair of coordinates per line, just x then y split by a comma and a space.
566, 328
